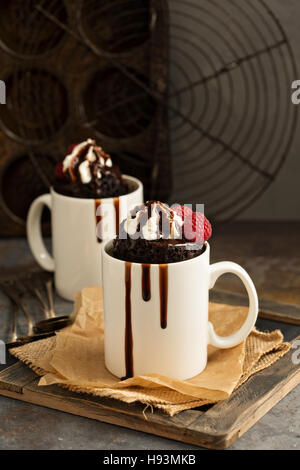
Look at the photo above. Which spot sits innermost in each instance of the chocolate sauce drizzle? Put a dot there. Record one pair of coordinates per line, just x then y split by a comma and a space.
77, 159
98, 220
163, 290
128, 324
99, 177
117, 212
163, 215
80, 154
146, 282
146, 293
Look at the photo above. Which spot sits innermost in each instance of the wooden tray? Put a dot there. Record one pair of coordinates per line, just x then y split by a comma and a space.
269, 309
214, 427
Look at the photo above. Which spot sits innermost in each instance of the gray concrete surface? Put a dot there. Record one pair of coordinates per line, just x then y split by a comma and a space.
26, 426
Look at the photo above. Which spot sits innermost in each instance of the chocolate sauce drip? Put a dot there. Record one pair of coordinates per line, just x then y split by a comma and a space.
163, 291
128, 324
117, 212
98, 220
146, 282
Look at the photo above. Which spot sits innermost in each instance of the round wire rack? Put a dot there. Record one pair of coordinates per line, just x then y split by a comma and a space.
227, 95
231, 70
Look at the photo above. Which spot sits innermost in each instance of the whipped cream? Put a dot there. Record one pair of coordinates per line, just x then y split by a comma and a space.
85, 172
153, 221
93, 155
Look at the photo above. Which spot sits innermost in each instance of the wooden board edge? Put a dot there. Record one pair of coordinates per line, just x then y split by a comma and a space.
244, 425
239, 424
137, 422
115, 417
199, 435
268, 309
269, 315
9, 377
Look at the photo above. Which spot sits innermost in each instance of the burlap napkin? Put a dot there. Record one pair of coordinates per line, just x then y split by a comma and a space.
74, 359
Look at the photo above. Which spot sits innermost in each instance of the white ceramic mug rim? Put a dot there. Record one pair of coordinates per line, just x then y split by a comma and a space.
177, 263
87, 200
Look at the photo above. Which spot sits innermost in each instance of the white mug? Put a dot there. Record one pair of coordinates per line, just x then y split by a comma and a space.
78, 228
158, 322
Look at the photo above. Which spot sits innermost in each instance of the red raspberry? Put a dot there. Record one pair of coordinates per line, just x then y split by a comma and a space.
59, 171
59, 167
196, 227
70, 149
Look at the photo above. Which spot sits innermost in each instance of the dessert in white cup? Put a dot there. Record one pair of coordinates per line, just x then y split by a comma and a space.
82, 216
158, 322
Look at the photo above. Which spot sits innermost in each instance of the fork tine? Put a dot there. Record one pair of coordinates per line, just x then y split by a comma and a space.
49, 285
14, 335
15, 298
28, 284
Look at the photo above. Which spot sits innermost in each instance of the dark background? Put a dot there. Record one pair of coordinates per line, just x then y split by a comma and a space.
112, 70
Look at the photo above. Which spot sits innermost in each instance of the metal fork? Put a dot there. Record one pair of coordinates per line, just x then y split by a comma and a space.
52, 322
10, 291
13, 295
14, 334
28, 284
49, 285
46, 284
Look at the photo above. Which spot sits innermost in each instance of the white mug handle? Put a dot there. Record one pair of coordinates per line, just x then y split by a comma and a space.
34, 232
216, 270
